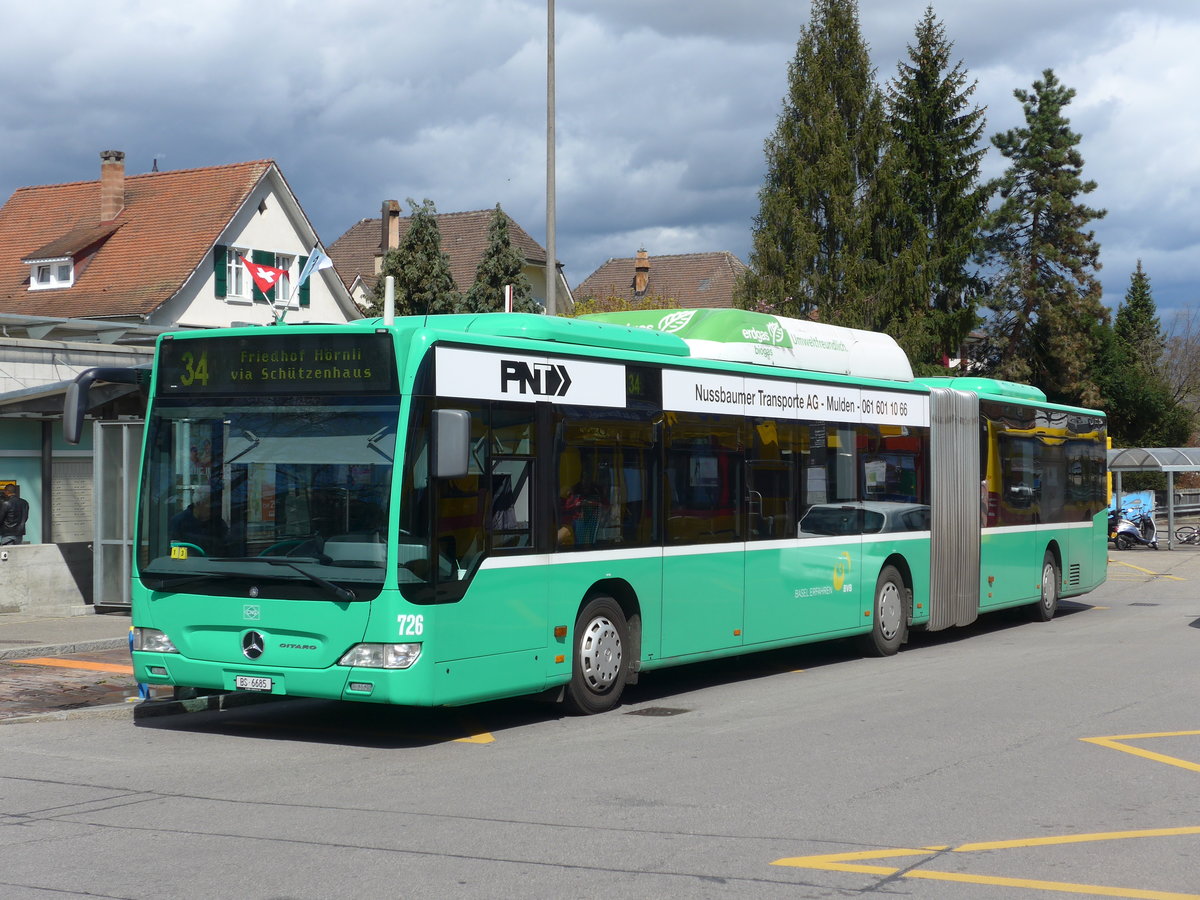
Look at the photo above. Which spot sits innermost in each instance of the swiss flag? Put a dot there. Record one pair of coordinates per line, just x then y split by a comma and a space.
266, 277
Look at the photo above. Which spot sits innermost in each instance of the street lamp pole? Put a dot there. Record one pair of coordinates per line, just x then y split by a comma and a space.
551, 252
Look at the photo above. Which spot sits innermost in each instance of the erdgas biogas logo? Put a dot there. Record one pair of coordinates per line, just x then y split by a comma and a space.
771, 333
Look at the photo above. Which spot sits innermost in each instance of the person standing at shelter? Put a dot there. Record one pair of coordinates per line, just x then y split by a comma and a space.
14, 513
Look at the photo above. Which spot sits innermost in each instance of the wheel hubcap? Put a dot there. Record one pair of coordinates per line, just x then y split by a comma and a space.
889, 610
600, 654
1049, 588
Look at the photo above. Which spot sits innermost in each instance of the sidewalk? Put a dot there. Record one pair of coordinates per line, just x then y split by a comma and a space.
24, 635
54, 668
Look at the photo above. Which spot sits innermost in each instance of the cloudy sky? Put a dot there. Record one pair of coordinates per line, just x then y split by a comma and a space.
662, 107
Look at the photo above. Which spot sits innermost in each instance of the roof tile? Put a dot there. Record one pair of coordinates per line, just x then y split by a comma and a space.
169, 223
690, 279
464, 240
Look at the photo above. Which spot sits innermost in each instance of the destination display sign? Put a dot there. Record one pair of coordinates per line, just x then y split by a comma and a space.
712, 392
280, 362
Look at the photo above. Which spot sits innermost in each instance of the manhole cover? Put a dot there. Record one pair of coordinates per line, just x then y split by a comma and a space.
656, 711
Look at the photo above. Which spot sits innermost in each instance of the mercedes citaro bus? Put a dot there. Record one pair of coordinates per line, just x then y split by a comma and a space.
446, 509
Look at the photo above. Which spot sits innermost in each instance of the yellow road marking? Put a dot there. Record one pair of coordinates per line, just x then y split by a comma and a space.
74, 664
475, 733
1079, 838
852, 862
481, 738
1116, 742
1112, 562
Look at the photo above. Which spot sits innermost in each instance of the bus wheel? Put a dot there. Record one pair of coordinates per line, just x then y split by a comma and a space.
890, 626
599, 666
1047, 605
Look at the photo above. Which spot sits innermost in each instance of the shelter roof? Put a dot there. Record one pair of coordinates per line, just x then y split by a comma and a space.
1154, 459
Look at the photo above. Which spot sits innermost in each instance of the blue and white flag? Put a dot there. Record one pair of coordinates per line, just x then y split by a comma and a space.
317, 261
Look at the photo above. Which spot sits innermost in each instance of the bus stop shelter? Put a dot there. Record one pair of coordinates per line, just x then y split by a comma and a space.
1156, 459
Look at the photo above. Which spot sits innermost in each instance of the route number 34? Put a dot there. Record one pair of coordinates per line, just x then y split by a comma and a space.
194, 370
411, 626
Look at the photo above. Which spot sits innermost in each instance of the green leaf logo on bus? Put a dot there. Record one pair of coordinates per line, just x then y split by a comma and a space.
673, 322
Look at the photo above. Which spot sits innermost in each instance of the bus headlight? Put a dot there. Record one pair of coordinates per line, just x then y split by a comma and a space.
152, 641
381, 656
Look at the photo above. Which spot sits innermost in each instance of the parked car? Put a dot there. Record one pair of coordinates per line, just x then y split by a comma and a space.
863, 517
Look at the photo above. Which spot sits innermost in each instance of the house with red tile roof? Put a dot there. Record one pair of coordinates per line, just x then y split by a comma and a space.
90, 273
691, 280
358, 254
160, 249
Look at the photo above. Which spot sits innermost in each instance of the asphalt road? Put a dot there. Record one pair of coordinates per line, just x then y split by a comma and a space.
1011, 759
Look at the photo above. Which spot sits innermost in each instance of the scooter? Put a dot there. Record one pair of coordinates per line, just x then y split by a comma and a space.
1128, 530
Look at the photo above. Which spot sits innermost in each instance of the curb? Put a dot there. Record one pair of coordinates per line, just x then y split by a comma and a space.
149, 709
110, 711
62, 649
155, 709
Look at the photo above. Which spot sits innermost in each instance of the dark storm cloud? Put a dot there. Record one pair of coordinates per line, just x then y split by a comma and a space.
663, 107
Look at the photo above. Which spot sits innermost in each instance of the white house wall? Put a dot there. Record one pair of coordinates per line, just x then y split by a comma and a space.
197, 305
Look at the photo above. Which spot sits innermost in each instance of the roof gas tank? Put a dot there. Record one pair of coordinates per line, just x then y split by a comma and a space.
736, 335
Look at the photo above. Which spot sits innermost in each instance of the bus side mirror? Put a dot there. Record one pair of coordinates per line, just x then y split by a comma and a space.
451, 442
73, 408
75, 403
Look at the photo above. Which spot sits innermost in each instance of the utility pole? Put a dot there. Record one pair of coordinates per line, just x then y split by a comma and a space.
551, 251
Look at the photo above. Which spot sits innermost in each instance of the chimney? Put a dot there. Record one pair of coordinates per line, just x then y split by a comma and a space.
641, 272
390, 239
112, 184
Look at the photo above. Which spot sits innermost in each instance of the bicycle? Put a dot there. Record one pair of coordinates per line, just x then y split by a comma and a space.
1187, 534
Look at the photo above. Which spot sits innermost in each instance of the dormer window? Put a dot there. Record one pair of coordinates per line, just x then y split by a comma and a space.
59, 263
47, 274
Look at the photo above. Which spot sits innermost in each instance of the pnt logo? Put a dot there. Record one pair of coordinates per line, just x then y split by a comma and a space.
540, 379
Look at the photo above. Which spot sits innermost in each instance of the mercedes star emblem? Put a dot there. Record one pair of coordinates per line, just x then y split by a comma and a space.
253, 645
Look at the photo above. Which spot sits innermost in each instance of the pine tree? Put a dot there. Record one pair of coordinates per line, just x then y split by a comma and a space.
815, 240
1137, 325
501, 265
1045, 299
424, 285
936, 136
1142, 408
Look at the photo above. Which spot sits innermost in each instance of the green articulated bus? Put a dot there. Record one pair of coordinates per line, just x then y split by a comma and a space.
447, 509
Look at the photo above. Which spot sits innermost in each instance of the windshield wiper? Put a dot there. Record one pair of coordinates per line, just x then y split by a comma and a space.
339, 593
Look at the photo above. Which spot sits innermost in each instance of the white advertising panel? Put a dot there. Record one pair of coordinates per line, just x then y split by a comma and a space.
713, 392
491, 375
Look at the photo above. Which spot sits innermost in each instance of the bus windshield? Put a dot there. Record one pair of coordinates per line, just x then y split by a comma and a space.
282, 496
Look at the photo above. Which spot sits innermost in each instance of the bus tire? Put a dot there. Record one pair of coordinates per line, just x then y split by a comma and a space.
600, 661
889, 626
1047, 605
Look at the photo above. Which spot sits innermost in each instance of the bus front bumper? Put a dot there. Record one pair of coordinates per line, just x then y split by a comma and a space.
409, 687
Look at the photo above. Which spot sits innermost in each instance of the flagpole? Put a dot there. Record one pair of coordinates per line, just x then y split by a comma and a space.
551, 250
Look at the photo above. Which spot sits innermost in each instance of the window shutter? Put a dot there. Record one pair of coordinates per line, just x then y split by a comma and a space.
220, 261
267, 258
300, 264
